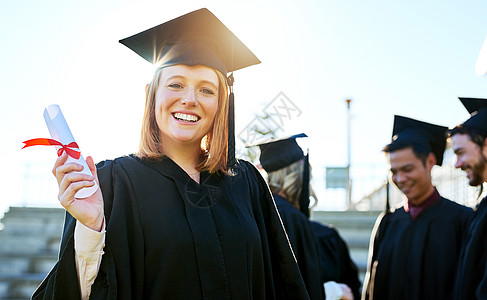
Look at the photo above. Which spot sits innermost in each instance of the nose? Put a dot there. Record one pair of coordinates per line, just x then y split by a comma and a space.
459, 163
189, 98
398, 178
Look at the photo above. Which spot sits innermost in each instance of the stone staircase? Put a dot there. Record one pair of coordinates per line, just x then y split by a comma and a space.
29, 244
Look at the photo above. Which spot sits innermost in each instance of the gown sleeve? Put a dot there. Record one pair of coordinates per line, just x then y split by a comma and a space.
62, 281
377, 234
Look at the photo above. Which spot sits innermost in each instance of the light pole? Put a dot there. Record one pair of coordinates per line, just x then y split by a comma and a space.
349, 181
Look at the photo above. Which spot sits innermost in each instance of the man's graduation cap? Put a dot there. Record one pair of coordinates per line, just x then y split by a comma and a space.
196, 38
478, 110
276, 154
423, 137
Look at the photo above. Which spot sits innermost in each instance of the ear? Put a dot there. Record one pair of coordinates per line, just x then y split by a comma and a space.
484, 148
430, 160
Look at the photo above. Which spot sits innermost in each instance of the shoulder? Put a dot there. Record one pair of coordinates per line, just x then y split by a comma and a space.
125, 164
453, 206
397, 214
245, 166
111, 163
323, 230
288, 211
245, 170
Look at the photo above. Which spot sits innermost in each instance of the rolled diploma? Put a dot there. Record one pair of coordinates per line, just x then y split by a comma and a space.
59, 130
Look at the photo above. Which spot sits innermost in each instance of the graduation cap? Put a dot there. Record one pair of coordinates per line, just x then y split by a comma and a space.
196, 38
478, 110
276, 154
423, 137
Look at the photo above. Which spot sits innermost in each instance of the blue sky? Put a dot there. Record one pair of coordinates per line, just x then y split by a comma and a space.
412, 58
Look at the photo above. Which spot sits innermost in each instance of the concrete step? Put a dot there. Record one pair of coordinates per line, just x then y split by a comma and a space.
34, 212
19, 286
19, 264
33, 226
347, 219
28, 245
33, 220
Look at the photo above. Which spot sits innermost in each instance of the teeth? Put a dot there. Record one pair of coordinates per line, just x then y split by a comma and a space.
186, 117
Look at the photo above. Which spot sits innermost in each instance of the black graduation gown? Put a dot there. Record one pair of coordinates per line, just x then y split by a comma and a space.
304, 246
336, 264
471, 279
417, 259
168, 237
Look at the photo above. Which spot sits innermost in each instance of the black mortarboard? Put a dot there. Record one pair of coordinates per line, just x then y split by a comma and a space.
478, 110
279, 153
423, 137
276, 154
196, 38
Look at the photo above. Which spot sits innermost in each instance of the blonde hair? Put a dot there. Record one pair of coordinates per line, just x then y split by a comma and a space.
288, 181
214, 145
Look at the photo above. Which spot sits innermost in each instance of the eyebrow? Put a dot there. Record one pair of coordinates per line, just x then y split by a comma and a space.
201, 82
457, 150
401, 168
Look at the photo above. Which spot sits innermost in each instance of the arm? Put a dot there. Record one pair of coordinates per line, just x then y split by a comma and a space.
62, 281
88, 247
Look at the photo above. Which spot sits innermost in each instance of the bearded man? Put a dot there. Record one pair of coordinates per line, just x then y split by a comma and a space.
469, 144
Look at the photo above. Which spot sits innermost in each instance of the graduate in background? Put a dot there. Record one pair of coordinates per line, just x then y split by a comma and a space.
183, 219
469, 142
416, 247
320, 257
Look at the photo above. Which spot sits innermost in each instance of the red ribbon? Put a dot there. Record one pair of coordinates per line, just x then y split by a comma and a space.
50, 142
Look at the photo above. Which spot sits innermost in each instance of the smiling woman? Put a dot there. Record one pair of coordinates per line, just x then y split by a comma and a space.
179, 220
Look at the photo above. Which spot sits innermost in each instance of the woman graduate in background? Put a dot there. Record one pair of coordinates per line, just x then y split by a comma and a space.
322, 255
183, 219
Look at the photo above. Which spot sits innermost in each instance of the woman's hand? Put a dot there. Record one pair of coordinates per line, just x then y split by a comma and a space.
88, 211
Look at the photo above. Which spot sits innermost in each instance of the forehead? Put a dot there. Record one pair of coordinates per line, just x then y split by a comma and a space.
402, 157
198, 72
463, 141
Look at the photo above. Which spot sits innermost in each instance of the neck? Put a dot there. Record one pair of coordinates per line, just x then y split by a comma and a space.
426, 195
185, 156
282, 195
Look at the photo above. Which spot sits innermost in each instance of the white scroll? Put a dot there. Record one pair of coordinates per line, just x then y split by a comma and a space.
59, 130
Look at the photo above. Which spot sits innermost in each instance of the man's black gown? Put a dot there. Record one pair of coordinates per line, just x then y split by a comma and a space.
417, 259
168, 237
471, 280
304, 245
336, 264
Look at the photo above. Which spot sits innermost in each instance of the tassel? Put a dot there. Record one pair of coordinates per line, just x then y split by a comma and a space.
388, 204
231, 161
304, 201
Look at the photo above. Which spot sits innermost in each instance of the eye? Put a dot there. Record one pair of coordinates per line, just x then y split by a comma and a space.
408, 169
175, 85
207, 91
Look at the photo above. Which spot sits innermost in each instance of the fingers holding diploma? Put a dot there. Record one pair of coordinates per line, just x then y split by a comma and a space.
87, 210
